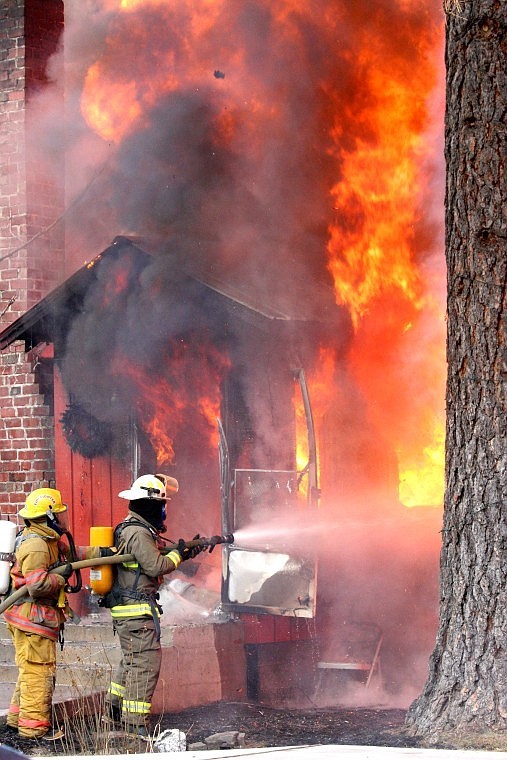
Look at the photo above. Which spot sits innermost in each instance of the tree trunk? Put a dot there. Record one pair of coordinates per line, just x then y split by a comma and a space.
466, 691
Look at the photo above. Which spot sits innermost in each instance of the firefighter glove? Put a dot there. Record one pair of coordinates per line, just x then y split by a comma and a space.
195, 550
106, 551
66, 571
187, 552
182, 550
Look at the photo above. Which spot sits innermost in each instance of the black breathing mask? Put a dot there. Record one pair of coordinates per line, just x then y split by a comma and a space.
153, 510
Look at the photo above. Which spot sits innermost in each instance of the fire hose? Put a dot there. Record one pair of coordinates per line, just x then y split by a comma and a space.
117, 559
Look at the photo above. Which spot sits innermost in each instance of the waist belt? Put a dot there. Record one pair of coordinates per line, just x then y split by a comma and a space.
146, 598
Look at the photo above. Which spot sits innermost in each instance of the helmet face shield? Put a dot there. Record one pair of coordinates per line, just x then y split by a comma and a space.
61, 519
171, 484
55, 522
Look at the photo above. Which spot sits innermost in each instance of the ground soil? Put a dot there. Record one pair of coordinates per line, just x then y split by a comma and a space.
262, 726
268, 727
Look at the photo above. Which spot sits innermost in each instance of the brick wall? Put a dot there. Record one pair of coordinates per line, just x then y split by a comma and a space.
30, 202
25, 433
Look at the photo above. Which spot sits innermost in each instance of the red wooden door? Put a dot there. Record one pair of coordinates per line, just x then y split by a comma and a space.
89, 487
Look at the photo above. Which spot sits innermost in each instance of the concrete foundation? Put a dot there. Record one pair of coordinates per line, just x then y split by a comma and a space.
201, 664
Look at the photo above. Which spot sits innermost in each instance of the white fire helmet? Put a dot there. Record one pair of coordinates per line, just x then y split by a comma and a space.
157, 487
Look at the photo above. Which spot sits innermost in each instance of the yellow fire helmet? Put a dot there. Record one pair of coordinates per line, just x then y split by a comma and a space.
40, 501
159, 487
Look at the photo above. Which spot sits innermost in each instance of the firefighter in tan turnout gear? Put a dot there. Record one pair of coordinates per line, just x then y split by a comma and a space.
36, 621
133, 601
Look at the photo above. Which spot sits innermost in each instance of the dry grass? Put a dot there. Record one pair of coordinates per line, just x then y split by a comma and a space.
492, 741
454, 7
80, 716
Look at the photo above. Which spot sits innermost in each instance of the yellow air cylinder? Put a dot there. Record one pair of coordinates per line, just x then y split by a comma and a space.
101, 577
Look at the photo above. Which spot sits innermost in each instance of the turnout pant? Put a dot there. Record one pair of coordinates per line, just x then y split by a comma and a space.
134, 681
30, 708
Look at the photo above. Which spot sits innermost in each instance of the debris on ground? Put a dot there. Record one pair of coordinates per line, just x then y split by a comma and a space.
223, 725
221, 740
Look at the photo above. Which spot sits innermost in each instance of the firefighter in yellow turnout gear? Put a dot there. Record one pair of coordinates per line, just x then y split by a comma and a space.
36, 620
133, 601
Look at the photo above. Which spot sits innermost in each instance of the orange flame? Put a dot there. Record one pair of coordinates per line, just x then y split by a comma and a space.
160, 440
111, 111
374, 269
381, 183
113, 101
188, 394
421, 481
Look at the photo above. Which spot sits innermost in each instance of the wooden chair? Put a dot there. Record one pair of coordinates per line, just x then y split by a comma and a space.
355, 648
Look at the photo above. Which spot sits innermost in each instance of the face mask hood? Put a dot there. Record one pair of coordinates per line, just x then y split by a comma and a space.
153, 510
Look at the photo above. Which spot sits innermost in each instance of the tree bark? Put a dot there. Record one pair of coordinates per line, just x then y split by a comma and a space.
466, 690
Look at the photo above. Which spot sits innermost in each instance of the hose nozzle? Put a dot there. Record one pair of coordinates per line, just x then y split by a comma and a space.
214, 540
211, 542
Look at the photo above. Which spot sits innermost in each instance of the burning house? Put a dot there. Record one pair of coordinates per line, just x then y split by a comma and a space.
192, 379
268, 325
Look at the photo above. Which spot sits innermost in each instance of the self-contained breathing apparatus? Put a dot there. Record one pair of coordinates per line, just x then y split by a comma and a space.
44, 503
117, 594
7, 543
147, 496
13, 540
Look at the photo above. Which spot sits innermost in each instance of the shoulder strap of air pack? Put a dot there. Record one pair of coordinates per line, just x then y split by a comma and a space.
134, 567
126, 523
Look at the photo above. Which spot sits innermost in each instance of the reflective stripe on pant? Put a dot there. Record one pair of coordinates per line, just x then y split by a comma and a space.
30, 708
116, 690
138, 671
